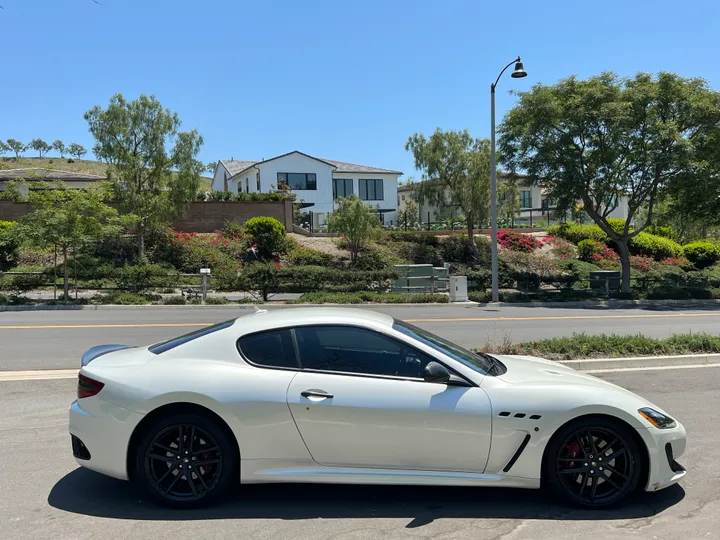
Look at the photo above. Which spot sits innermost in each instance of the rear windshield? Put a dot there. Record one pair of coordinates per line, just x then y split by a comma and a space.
163, 346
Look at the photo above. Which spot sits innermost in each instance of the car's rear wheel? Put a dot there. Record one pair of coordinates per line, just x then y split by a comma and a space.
185, 460
594, 462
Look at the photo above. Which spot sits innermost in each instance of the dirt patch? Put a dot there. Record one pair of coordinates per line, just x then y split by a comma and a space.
325, 244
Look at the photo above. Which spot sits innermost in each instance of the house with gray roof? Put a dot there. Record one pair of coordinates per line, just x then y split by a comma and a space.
317, 182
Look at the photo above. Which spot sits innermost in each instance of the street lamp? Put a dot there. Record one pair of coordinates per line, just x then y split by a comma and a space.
518, 73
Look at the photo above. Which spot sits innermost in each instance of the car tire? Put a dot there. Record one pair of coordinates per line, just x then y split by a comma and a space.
593, 463
185, 460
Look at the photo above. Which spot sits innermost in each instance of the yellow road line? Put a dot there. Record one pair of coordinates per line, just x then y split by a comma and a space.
434, 320
568, 317
132, 325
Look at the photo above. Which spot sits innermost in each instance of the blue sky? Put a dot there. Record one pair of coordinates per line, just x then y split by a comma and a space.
336, 79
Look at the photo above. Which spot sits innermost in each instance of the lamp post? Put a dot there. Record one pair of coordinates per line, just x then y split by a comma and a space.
517, 73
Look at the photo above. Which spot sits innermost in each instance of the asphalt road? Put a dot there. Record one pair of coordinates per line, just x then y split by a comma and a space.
44, 495
56, 339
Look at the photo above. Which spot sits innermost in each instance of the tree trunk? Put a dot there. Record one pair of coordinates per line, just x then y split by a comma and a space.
471, 239
141, 243
66, 293
622, 246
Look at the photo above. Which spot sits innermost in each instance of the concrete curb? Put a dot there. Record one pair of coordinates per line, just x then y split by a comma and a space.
219, 306
640, 362
584, 304
606, 303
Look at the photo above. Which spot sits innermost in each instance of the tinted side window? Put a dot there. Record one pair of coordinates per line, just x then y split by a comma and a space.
271, 349
357, 350
159, 348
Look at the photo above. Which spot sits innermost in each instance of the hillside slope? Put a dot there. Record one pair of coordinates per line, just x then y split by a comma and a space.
85, 166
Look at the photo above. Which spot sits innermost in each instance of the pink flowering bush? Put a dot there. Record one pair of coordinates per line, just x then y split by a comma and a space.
561, 248
641, 263
516, 241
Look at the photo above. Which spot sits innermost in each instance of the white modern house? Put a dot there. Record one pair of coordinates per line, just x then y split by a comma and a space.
317, 182
534, 205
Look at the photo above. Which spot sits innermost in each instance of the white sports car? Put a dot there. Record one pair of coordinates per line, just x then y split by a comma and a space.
354, 396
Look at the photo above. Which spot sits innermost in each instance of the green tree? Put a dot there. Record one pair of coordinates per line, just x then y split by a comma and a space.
154, 166
60, 147
508, 199
76, 150
4, 148
456, 172
357, 222
67, 218
40, 146
605, 138
16, 146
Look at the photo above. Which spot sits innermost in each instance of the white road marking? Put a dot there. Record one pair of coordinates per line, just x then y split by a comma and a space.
39, 375
650, 368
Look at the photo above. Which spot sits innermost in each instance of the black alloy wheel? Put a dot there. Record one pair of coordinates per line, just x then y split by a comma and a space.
184, 461
594, 464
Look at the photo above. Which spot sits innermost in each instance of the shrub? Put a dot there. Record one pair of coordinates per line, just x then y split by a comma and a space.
233, 227
576, 233
217, 300
9, 245
124, 298
603, 346
702, 253
665, 232
370, 297
140, 277
561, 248
174, 301
578, 273
482, 297
418, 253
641, 263
304, 256
375, 258
587, 249
267, 234
414, 237
531, 269
29, 278
457, 248
516, 241
657, 247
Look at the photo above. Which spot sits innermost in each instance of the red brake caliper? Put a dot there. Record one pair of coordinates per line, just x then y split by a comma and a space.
573, 450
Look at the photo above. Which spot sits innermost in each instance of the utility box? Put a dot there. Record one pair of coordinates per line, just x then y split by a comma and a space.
605, 280
458, 289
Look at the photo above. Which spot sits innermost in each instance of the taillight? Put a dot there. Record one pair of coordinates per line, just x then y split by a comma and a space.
88, 387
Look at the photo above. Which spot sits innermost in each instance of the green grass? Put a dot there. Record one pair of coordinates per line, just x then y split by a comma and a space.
84, 166
611, 346
369, 297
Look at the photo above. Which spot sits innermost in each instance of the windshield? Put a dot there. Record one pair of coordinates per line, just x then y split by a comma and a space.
470, 359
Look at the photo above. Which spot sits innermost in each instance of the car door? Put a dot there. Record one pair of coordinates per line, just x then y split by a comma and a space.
360, 401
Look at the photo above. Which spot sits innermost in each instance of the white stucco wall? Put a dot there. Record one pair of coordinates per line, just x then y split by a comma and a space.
390, 193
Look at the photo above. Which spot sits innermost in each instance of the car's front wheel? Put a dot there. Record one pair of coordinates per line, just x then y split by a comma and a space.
594, 462
185, 460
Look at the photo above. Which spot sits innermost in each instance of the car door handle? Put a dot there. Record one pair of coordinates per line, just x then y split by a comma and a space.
316, 393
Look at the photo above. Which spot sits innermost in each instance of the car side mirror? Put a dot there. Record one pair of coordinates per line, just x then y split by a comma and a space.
436, 373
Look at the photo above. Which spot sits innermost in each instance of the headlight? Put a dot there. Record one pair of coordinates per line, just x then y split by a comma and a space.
657, 419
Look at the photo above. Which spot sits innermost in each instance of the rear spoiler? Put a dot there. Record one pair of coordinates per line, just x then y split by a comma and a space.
91, 354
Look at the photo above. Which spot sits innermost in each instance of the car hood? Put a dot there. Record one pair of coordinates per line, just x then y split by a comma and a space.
533, 370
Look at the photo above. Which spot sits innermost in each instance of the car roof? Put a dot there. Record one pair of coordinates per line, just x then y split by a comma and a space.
282, 317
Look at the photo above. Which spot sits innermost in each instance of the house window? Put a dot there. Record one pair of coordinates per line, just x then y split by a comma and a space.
247, 185
257, 179
371, 190
301, 181
525, 199
342, 187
